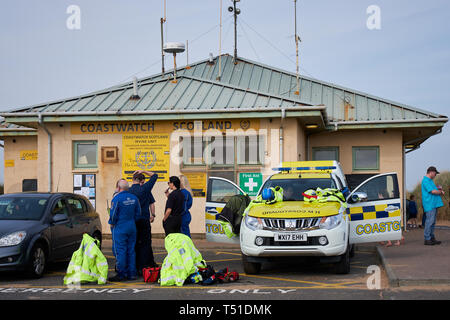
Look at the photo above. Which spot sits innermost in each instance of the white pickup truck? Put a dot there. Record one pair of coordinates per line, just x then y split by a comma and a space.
293, 227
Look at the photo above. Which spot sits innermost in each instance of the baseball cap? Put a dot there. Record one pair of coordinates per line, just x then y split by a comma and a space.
430, 169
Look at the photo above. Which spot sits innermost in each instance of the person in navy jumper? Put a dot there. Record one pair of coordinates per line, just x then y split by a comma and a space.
143, 191
125, 210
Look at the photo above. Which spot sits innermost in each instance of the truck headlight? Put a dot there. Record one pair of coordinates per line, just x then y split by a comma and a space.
253, 223
331, 222
12, 239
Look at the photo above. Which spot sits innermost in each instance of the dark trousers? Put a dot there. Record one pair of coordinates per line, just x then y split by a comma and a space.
172, 224
144, 252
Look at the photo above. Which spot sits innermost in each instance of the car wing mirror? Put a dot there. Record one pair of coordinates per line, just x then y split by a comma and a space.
60, 217
358, 197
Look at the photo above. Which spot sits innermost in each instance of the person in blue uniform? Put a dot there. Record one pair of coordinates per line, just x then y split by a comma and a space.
143, 191
186, 215
125, 210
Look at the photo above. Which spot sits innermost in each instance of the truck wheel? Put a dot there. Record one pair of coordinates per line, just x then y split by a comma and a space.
250, 267
352, 251
343, 266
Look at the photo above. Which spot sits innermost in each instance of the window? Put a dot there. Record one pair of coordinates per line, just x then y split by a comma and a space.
325, 153
366, 158
223, 150
22, 208
77, 206
293, 188
250, 149
220, 151
60, 208
221, 191
193, 150
381, 188
85, 154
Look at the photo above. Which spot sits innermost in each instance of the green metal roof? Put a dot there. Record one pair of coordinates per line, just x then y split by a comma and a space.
246, 85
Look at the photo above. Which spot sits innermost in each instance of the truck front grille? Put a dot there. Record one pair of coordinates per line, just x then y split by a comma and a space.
291, 224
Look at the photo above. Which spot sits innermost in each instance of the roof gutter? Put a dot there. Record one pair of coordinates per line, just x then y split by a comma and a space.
339, 123
141, 112
50, 162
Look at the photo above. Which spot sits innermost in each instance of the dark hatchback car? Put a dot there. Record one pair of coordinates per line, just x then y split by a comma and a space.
38, 228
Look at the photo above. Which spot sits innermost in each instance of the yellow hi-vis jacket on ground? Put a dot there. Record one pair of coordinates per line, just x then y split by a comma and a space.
88, 264
182, 260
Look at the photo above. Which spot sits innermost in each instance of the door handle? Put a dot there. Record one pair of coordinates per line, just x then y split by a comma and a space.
214, 211
391, 208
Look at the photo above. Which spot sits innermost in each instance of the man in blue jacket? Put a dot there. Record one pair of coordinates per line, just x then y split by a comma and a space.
125, 210
431, 201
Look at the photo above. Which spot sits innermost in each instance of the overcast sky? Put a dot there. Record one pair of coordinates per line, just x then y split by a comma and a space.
406, 60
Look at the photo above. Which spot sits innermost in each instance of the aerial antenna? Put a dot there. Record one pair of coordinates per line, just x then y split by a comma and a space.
297, 40
220, 42
163, 20
187, 55
174, 47
57, 186
235, 11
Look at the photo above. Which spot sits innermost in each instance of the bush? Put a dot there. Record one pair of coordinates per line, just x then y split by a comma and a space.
442, 179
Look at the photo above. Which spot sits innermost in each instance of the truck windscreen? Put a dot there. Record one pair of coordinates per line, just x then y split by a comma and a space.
293, 188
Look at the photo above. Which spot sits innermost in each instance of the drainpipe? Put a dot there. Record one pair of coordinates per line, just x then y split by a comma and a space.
283, 115
404, 187
41, 124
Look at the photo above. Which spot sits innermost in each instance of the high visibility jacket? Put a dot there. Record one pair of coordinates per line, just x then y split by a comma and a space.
324, 195
278, 192
231, 215
88, 264
182, 260
227, 228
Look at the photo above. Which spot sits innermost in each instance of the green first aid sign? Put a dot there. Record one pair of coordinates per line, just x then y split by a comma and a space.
250, 182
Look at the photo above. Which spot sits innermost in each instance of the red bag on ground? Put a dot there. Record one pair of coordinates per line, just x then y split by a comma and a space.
151, 274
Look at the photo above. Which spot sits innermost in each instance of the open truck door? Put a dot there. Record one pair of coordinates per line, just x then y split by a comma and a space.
374, 210
219, 191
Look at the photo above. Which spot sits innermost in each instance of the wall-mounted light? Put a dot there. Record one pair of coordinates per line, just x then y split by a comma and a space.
311, 126
409, 146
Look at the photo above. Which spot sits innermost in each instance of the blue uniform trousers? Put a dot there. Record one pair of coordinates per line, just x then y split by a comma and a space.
124, 241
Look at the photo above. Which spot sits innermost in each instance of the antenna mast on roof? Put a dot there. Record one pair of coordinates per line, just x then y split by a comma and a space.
163, 20
235, 11
174, 47
220, 41
297, 40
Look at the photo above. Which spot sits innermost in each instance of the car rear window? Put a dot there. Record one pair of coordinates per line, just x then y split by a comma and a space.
26, 208
293, 188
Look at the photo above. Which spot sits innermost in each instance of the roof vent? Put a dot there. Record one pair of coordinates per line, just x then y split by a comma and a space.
135, 95
211, 59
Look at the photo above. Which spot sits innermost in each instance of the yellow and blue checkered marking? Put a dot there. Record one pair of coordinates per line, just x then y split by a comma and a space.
372, 212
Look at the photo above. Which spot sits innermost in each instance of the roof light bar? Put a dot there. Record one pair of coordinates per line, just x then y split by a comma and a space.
304, 168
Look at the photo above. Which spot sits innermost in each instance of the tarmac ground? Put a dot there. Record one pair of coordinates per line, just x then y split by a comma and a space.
410, 271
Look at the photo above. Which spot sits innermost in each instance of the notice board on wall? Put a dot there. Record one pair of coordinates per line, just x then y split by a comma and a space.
84, 184
197, 181
149, 152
